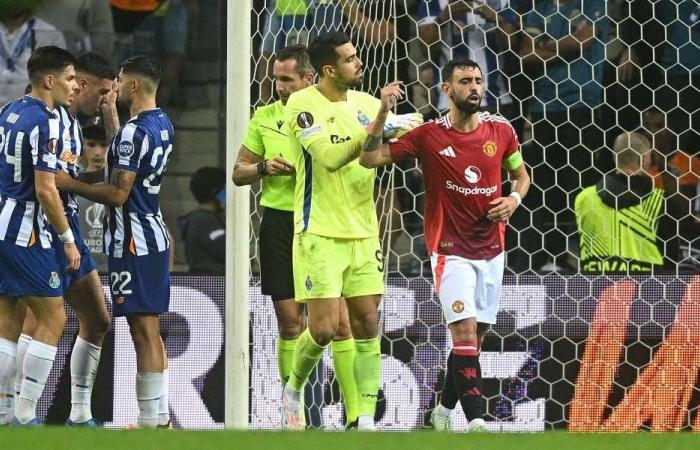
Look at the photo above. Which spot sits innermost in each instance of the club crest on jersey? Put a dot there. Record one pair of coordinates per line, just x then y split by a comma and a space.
309, 285
54, 281
472, 174
305, 119
125, 149
362, 118
490, 148
458, 306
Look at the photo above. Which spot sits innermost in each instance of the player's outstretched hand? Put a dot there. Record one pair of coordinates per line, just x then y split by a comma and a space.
390, 94
400, 124
73, 257
279, 166
502, 209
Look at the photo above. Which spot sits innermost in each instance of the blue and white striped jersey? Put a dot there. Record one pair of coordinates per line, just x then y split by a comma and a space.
143, 145
29, 133
70, 147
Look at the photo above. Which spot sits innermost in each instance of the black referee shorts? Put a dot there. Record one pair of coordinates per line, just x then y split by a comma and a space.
276, 236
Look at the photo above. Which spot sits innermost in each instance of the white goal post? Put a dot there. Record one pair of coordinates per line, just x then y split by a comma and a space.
237, 217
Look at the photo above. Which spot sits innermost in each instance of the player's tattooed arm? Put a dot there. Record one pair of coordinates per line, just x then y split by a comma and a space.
115, 193
92, 177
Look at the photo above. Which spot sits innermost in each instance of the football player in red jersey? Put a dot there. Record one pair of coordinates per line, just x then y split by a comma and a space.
461, 155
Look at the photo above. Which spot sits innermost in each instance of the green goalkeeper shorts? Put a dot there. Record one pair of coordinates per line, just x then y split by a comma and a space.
326, 267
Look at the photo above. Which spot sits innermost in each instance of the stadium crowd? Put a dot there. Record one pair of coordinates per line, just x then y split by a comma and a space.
569, 86
570, 75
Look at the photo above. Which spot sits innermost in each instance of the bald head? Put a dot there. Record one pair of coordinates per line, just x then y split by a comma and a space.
632, 152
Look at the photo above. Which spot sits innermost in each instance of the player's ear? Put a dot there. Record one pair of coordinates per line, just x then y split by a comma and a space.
308, 79
82, 83
446, 89
49, 81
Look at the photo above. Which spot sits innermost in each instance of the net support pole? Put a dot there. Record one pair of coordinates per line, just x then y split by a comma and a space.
237, 217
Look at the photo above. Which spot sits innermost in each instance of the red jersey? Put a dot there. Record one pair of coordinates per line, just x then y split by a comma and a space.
462, 174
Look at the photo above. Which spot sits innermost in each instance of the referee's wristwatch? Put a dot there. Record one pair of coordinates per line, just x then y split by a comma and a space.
261, 168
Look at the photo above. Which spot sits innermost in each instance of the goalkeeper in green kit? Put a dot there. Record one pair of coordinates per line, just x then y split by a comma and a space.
336, 251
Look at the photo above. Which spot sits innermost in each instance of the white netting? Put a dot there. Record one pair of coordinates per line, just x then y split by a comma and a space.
570, 78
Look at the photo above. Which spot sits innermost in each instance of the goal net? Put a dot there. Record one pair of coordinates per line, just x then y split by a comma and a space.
570, 350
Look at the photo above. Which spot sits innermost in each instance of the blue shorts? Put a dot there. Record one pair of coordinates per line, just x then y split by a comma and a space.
139, 284
87, 264
29, 271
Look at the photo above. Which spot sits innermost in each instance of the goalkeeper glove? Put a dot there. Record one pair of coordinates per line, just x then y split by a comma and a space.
399, 124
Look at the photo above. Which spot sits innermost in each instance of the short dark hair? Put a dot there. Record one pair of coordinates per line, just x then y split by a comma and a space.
96, 65
46, 60
207, 182
298, 53
144, 65
322, 49
458, 63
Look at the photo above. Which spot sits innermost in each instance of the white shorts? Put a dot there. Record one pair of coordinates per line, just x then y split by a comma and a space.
468, 287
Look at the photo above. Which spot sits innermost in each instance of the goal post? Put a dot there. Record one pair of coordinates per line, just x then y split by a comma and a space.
237, 217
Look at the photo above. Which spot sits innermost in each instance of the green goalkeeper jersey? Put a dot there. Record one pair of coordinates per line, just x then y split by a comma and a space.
334, 195
267, 138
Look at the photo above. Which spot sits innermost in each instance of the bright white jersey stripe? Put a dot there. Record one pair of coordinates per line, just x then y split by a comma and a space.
143, 145
29, 133
70, 147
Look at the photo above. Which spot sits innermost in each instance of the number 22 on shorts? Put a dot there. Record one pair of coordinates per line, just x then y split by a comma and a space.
119, 282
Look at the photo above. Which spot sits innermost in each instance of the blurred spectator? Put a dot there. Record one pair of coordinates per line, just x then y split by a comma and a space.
20, 33
285, 24
680, 56
621, 220
86, 24
204, 229
93, 159
568, 48
478, 30
678, 173
158, 28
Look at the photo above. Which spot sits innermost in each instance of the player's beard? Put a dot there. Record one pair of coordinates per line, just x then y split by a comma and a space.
351, 83
467, 107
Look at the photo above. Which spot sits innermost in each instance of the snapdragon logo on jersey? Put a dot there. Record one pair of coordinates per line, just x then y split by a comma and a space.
472, 174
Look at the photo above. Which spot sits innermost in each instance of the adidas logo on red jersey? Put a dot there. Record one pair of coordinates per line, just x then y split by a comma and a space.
448, 151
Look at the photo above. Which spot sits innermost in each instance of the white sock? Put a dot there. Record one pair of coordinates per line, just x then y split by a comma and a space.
442, 410
83, 368
149, 387
8, 357
37, 366
364, 422
22, 345
164, 402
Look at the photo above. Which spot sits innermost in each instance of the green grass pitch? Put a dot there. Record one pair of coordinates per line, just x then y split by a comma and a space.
59, 438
